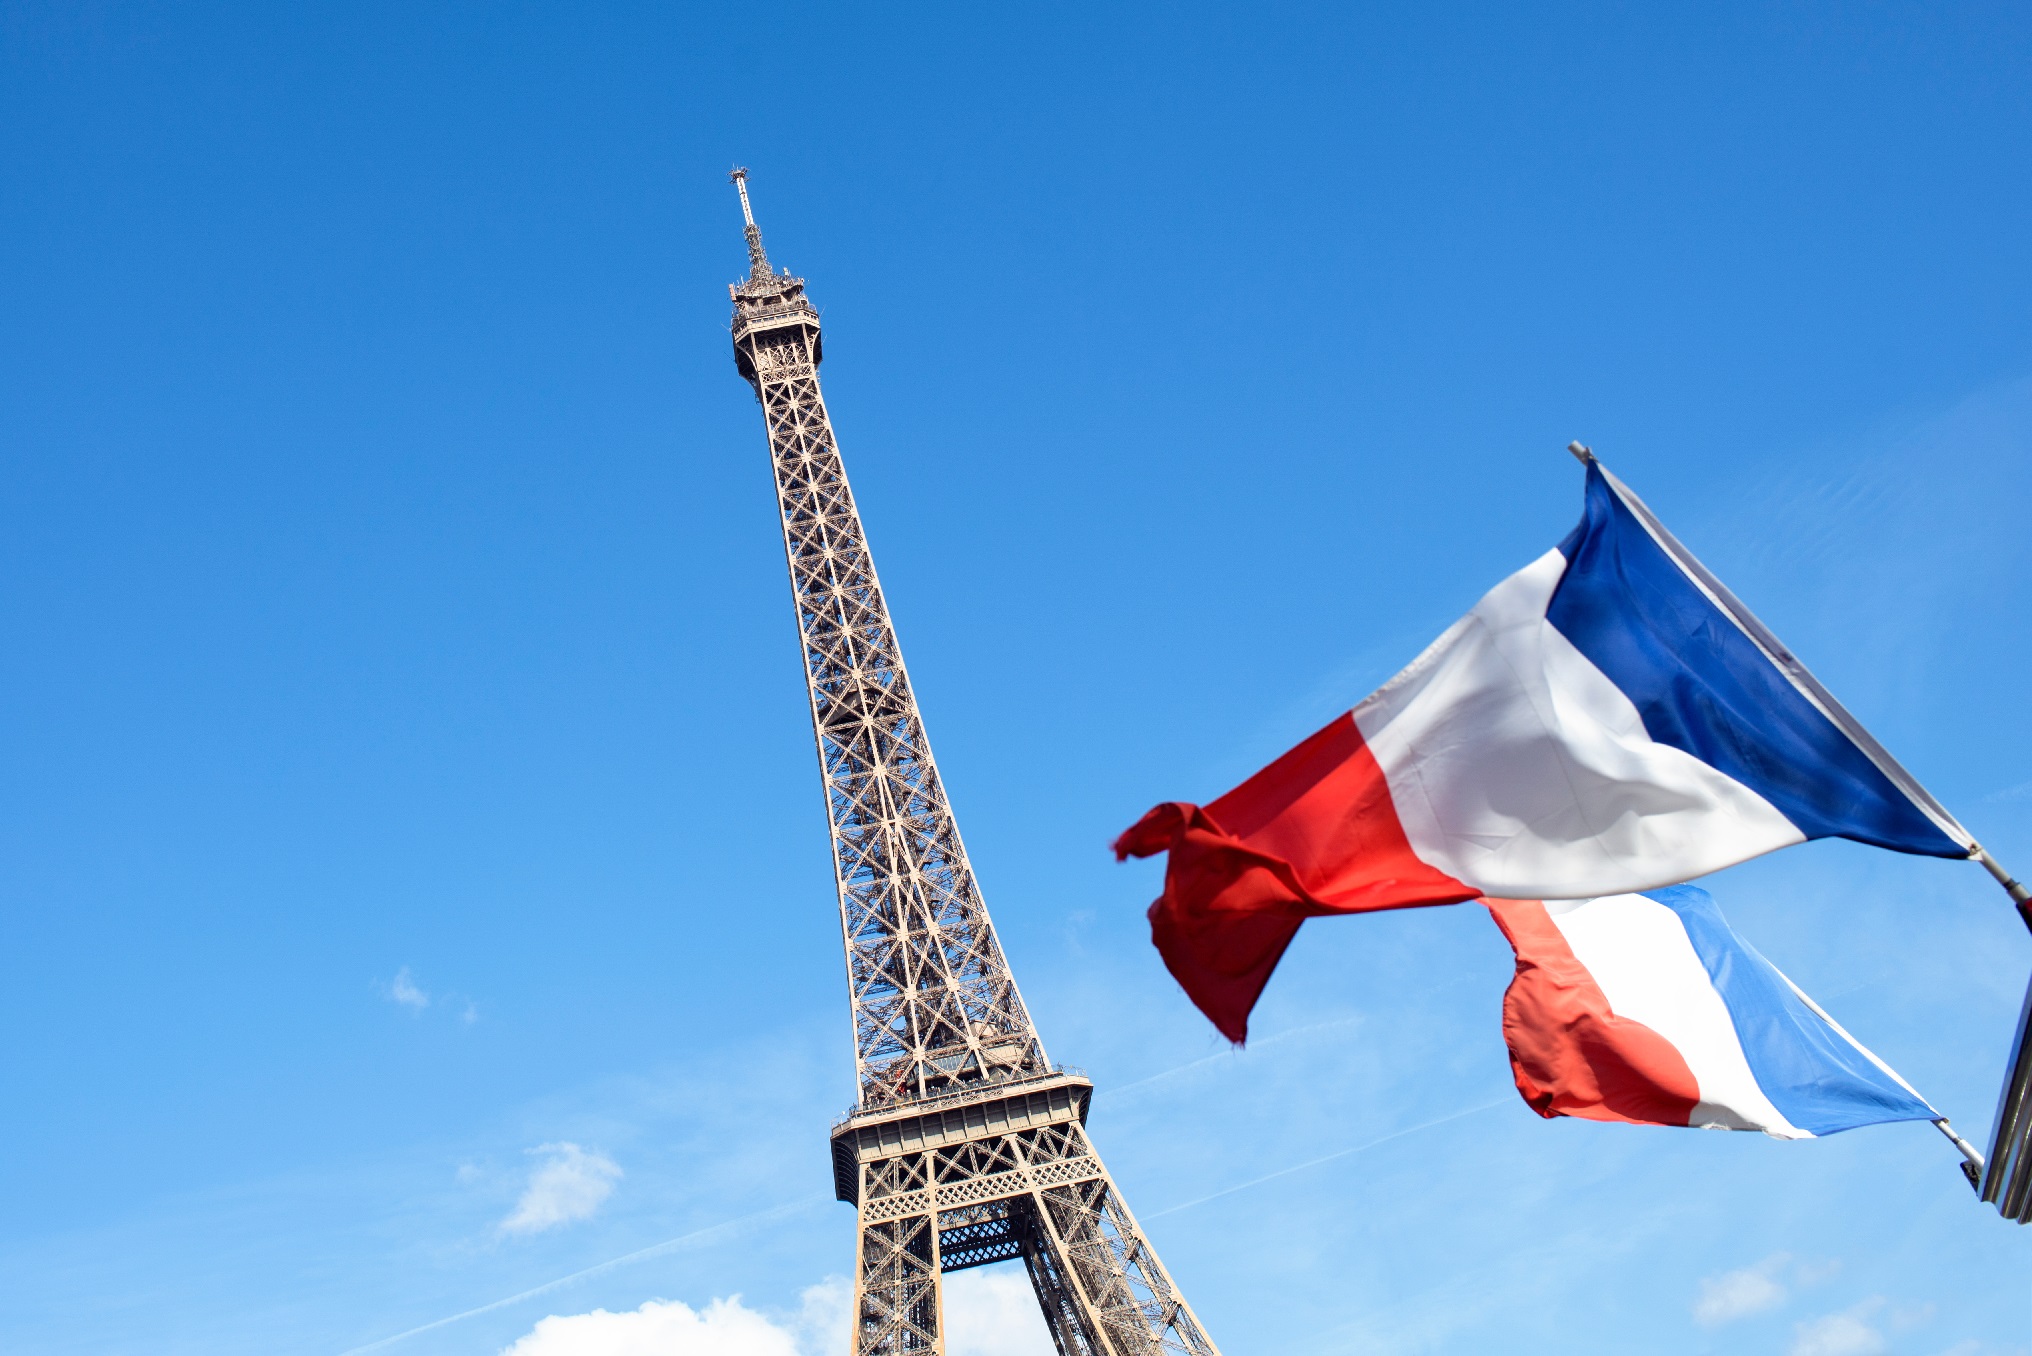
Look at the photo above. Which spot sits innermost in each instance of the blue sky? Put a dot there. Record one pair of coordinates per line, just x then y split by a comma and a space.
411, 858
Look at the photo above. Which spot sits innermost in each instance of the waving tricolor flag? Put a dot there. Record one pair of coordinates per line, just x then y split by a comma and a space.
1609, 719
1649, 1008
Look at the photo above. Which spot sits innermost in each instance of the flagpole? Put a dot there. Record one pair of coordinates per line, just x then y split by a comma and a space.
1973, 1167
2013, 887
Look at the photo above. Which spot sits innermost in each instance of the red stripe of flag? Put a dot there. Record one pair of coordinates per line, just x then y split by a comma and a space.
1313, 833
1569, 1052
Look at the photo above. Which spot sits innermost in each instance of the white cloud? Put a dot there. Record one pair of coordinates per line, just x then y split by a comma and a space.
568, 1185
993, 1312
726, 1327
1849, 1333
1738, 1294
988, 1312
403, 990
827, 1318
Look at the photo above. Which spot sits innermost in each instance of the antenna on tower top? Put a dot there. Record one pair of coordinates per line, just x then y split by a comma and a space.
758, 260
739, 178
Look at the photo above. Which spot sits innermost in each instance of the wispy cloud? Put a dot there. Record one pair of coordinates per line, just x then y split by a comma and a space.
569, 1184
1848, 1333
1758, 1288
403, 991
1814, 1272
1739, 1294
1968, 1346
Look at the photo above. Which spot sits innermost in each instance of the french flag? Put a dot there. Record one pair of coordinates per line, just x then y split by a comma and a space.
1608, 720
1647, 1008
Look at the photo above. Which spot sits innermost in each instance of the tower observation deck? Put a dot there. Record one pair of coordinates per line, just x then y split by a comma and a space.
966, 1145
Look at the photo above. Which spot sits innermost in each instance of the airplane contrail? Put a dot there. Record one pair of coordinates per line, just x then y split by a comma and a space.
1328, 1158
668, 1245
696, 1235
1229, 1055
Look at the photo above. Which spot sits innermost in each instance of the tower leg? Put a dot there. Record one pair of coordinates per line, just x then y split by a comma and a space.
1060, 1300
896, 1290
1129, 1296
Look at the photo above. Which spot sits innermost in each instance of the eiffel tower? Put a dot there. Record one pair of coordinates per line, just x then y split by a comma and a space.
967, 1146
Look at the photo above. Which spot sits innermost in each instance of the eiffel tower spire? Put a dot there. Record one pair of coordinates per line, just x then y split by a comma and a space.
966, 1146
758, 258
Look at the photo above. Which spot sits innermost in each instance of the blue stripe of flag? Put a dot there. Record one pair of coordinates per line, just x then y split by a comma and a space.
1702, 686
1821, 1080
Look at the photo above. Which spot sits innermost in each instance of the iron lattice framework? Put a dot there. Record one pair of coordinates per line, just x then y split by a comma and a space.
967, 1146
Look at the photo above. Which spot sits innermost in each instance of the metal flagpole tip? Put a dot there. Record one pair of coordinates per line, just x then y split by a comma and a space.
1581, 451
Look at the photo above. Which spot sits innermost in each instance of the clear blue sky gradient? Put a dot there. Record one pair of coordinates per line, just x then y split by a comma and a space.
391, 580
